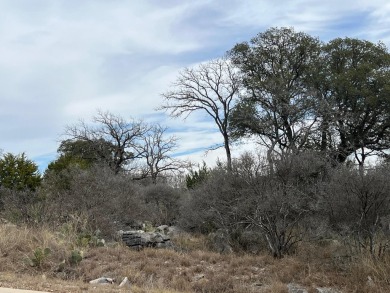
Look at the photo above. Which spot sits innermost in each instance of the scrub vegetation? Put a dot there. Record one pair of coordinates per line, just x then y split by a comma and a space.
311, 206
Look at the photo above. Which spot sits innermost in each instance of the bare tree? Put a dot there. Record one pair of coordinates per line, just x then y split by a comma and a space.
156, 150
124, 137
211, 87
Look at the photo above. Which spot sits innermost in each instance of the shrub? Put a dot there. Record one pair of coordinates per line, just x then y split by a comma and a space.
248, 197
23, 206
196, 177
107, 200
39, 256
358, 207
163, 203
76, 256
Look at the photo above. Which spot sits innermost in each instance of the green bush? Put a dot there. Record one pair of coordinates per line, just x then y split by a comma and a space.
39, 256
76, 256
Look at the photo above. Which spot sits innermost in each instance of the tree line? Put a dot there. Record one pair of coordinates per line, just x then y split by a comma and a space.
292, 92
316, 108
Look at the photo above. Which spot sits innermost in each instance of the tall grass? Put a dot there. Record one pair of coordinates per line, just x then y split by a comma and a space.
190, 268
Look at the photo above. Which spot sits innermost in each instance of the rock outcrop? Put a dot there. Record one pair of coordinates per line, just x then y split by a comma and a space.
140, 239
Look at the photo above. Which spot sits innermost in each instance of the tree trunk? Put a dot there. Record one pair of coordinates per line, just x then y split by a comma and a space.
228, 152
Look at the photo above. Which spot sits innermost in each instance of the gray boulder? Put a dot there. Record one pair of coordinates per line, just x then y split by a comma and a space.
174, 231
140, 239
163, 229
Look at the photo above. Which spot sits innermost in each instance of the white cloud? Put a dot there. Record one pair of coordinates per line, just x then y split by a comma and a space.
60, 60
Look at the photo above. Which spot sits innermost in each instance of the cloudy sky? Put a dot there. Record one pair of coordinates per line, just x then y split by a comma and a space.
61, 60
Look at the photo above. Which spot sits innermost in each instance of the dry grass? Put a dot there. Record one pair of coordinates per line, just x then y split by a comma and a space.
193, 268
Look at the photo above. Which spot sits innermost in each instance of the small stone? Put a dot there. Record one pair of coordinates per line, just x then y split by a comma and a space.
197, 277
102, 280
294, 288
326, 290
101, 242
370, 282
125, 282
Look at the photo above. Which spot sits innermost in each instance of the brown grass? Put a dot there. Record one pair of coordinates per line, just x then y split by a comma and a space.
193, 268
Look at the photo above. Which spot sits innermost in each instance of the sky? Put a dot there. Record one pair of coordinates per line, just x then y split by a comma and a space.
62, 60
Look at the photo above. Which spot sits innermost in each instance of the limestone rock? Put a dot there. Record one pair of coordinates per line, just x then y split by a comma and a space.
140, 239
370, 282
125, 283
294, 288
326, 290
198, 277
163, 229
102, 281
173, 231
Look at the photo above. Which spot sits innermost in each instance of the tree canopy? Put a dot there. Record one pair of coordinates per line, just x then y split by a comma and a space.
17, 172
81, 153
356, 92
304, 94
276, 65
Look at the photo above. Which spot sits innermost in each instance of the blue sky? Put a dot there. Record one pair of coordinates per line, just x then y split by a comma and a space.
61, 60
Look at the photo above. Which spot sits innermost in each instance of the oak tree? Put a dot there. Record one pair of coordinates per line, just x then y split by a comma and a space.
356, 90
277, 104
